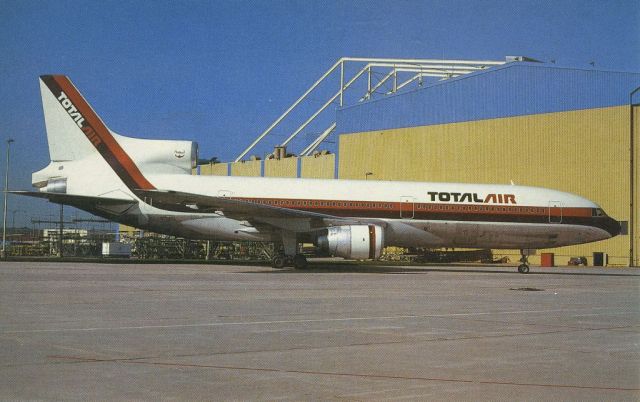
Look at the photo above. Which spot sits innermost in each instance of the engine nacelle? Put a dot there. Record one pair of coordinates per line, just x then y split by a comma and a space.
161, 156
357, 242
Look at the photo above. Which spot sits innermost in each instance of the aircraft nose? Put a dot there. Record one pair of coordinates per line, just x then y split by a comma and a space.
612, 226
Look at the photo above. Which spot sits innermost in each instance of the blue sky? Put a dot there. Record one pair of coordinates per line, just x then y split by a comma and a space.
214, 71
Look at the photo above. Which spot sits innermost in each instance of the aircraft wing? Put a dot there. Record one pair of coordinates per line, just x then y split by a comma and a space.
257, 214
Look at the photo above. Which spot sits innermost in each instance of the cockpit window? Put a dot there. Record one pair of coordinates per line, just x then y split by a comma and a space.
598, 212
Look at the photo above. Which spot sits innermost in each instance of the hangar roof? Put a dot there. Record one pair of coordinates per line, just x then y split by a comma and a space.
513, 89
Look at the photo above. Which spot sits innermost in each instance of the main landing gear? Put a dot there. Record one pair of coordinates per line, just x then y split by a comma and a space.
290, 256
524, 267
298, 261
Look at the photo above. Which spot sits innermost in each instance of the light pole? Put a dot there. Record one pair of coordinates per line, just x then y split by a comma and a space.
4, 214
632, 189
13, 218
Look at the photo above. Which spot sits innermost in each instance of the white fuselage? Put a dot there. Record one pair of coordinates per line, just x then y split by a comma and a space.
453, 224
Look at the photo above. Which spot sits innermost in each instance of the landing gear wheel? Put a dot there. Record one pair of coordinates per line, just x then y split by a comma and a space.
299, 261
524, 267
278, 261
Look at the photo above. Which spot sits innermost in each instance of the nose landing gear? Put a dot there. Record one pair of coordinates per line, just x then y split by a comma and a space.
524, 267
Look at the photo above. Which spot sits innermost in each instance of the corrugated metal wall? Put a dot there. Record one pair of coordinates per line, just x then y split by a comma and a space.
313, 167
246, 168
214, 169
287, 167
582, 152
318, 167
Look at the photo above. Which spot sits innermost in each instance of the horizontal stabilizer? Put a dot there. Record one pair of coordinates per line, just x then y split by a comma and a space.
80, 201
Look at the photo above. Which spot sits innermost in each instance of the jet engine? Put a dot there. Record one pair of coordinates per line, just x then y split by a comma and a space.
357, 242
161, 156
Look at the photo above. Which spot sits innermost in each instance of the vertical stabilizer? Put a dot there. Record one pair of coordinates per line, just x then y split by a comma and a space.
66, 140
75, 131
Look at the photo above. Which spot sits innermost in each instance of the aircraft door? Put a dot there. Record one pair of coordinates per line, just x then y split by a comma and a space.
555, 211
407, 207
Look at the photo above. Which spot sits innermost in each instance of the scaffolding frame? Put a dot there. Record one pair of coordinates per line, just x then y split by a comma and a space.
416, 69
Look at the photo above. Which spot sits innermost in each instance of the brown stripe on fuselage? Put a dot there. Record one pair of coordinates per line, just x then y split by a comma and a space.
393, 209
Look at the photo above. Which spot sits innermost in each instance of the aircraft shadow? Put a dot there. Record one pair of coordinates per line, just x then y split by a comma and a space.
324, 268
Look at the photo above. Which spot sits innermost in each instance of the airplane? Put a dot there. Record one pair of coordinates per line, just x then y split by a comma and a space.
149, 184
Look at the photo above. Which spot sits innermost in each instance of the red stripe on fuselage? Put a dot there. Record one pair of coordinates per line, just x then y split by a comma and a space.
378, 208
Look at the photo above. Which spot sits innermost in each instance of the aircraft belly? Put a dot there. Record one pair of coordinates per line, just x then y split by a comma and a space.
408, 233
205, 228
492, 235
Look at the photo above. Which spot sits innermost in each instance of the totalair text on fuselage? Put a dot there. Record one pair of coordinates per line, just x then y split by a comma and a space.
472, 197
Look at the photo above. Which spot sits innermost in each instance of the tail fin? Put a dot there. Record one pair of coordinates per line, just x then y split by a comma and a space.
74, 131
64, 124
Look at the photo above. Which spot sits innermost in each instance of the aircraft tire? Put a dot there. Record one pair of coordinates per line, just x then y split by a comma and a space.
278, 261
523, 269
299, 261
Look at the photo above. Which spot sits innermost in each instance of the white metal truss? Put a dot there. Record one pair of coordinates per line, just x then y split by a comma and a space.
412, 70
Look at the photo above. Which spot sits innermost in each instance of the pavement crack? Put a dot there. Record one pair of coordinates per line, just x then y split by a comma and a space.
353, 374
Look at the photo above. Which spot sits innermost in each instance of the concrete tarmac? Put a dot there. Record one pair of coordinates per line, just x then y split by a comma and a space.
88, 331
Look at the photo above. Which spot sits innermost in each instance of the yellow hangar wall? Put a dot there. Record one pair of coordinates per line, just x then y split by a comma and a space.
321, 166
214, 169
286, 167
246, 168
585, 152
318, 166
